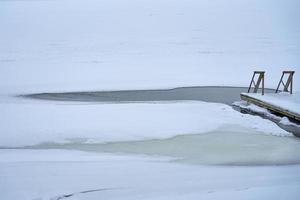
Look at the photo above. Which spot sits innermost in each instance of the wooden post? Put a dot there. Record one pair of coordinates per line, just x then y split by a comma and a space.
252, 81
263, 84
288, 86
260, 80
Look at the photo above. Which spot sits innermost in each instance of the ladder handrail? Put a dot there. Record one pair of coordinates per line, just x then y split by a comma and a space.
288, 84
260, 79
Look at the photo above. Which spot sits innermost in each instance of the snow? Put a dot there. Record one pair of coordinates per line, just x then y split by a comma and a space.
29, 122
283, 100
68, 45
43, 175
286, 121
265, 112
80, 45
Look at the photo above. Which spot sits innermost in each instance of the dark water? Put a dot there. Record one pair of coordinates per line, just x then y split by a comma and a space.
226, 95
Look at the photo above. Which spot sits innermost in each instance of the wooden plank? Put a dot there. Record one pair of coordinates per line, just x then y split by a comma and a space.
271, 107
292, 72
258, 83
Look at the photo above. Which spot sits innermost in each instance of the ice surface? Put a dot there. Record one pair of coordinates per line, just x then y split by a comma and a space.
28, 122
144, 44
50, 174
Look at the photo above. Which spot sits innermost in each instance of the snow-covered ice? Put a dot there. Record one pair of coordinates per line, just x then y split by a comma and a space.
51, 174
31, 122
69, 45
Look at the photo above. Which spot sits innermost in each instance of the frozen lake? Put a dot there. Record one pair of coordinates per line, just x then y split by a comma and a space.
150, 145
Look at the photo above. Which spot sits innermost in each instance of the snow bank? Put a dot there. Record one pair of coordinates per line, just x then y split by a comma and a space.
28, 122
265, 112
144, 44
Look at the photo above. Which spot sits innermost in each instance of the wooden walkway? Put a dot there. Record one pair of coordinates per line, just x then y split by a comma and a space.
270, 107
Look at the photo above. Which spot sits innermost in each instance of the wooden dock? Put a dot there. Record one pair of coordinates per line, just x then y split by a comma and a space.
271, 107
